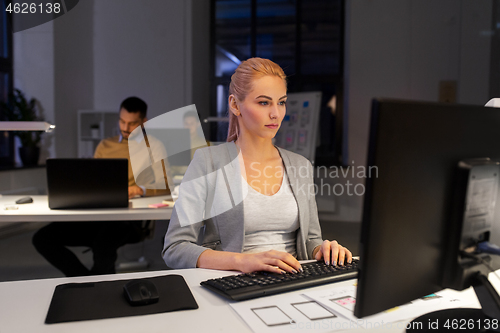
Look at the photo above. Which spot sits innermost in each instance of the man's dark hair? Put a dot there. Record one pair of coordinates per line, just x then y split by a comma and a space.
135, 104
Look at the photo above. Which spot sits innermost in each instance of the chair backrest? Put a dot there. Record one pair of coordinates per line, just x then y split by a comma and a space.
148, 229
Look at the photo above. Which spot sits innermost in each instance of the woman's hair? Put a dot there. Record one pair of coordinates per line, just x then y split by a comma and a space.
241, 84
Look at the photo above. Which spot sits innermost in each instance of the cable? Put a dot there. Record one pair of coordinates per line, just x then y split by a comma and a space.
487, 247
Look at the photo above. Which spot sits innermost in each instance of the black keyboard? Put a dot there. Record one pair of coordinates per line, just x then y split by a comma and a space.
252, 285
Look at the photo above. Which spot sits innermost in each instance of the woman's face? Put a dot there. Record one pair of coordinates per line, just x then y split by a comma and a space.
263, 109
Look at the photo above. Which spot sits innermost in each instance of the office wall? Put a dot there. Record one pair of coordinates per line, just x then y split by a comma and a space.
141, 50
124, 48
73, 72
403, 49
34, 77
476, 52
103, 51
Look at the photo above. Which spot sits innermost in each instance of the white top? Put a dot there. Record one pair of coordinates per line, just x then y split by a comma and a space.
271, 222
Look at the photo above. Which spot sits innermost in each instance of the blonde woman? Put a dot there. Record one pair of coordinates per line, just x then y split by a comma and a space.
276, 223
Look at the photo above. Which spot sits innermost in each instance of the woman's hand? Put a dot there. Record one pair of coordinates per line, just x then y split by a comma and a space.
332, 252
271, 261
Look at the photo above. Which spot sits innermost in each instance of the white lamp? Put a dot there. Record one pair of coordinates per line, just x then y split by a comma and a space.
26, 126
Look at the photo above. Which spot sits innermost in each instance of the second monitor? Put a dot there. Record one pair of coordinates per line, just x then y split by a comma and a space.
408, 208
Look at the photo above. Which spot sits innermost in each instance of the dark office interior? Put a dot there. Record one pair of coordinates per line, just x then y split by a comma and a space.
177, 53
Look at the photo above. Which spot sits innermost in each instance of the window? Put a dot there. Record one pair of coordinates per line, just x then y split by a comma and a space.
304, 37
6, 82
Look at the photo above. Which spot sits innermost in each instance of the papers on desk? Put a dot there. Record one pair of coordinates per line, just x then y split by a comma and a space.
146, 202
332, 309
342, 300
289, 313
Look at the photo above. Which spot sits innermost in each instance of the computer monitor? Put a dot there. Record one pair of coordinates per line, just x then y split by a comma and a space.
411, 203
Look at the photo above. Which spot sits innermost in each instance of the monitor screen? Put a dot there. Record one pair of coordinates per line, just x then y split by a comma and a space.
415, 147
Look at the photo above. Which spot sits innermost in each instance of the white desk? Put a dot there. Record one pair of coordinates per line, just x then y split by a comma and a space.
24, 305
39, 211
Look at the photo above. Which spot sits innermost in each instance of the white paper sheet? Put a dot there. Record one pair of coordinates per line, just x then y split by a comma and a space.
341, 300
289, 313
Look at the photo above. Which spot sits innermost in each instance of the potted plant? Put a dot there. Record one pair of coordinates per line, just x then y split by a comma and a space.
18, 108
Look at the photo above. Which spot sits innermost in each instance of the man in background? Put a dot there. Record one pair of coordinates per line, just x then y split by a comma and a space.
104, 238
191, 122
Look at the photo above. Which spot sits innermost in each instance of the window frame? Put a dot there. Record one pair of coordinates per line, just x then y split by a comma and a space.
299, 79
6, 67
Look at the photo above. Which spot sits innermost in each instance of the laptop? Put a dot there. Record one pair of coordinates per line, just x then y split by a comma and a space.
87, 183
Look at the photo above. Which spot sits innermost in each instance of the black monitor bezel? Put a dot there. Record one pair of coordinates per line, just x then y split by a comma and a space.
383, 284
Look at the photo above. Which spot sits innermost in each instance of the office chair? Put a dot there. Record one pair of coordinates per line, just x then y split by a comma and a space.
147, 232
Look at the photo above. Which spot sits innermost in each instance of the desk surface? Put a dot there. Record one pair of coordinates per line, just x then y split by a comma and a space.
39, 211
24, 305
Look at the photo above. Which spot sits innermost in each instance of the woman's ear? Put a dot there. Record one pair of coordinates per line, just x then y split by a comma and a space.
233, 105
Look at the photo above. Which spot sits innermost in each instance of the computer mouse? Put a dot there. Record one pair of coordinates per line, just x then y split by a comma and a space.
141, 292
24, 200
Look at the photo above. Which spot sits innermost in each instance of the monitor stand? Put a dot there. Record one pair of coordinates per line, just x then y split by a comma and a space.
486, 319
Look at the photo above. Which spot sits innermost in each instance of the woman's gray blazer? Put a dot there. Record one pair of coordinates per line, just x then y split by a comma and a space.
209, 211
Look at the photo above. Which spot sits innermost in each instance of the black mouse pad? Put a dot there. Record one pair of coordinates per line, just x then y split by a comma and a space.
100, 300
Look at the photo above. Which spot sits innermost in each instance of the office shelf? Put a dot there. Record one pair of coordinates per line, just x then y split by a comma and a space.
94, 126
